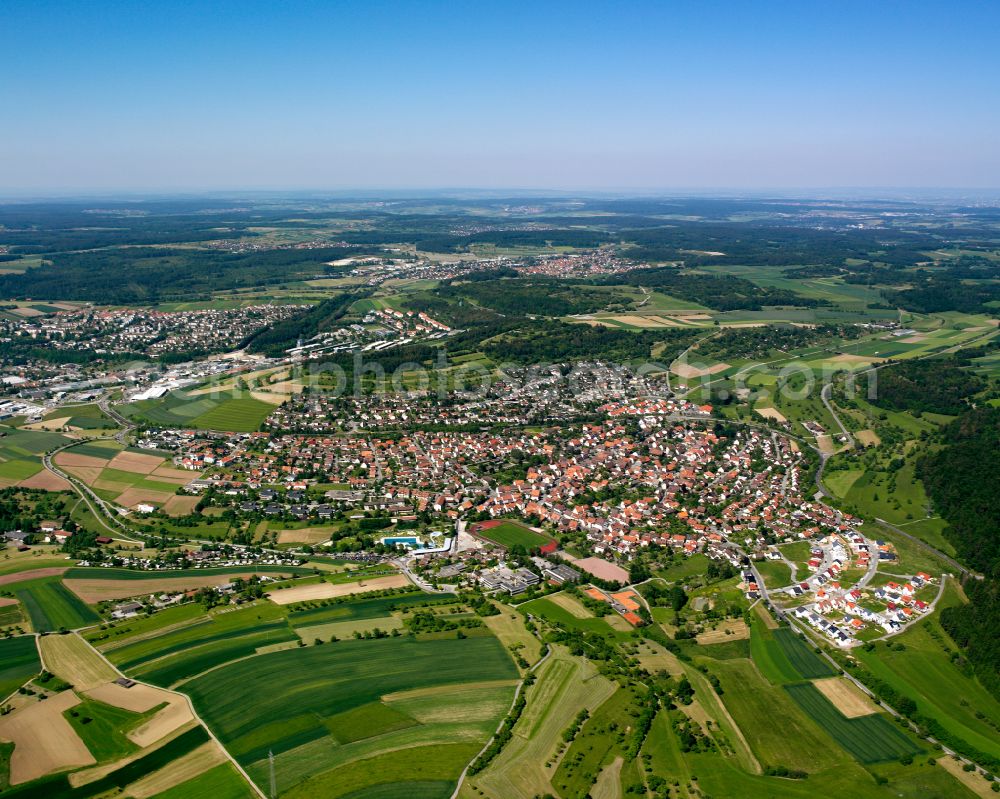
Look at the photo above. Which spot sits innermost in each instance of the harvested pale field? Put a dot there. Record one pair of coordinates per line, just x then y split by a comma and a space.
168, 472
570, 604
269, 397
175, 715
179, 506
605, 570
972, 780
181, 770
917, 339
771, 413
47, 481
302, 593
825, 444
48, 424
868, 438
846, 697
135, 462
305, 535
93, 590
608, 785
16, 577
8, 482
346, 629
729, 630
139, 698
509, 627
89, 474
697, 714
765, 617
134, 496
846, 357
654, 658
616, 622
25, 311
687, 370
644, 321
72, 459
91, 774
44, 741
75, 661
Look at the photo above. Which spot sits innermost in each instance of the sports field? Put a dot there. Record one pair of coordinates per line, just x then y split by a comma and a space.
412, 722
509, 534
52, 606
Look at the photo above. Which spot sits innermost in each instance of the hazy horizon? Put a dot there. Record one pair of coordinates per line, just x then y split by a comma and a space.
180, 97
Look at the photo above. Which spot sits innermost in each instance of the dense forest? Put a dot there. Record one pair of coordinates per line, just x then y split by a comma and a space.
552, 342
762, 342
720, 292
936, 385
962, 480
524, 296
150, 275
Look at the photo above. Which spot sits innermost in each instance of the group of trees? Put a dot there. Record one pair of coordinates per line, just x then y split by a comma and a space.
961, 478
936, 385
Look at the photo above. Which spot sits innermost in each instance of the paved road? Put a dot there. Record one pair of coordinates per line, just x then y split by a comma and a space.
824, 395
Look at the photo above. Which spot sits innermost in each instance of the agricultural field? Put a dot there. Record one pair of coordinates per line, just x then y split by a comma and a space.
565, 686
18, 663
783, 656
920, 669
870, 739
180, 654
227, 411
127, 477
20, 455
51, 605
421, 715
100, 585
549, 609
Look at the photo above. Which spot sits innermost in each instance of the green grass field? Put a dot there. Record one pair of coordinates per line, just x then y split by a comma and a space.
361, 609
18, 663
181, 653
52, 606
102, 728
870, 739
966, 709
545, 608
221, 782
509, 534
783, 656
776, 573
221, 411
755, 706
306, 693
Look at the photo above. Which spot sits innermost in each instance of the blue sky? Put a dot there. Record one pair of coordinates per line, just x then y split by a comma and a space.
565, 95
